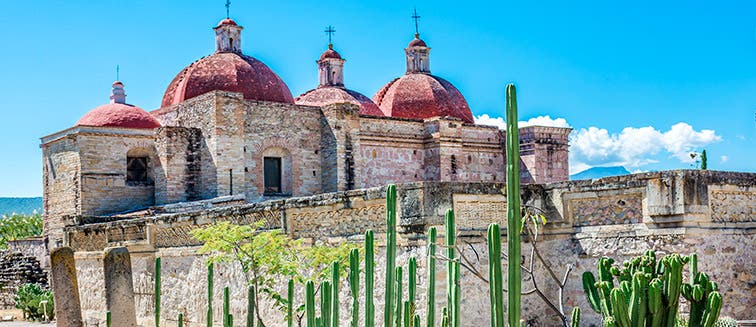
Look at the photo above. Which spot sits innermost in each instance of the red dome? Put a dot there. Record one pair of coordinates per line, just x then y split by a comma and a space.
417, 42
330, 94
422, 96
227, 71
119, 115
330, 53
227, 21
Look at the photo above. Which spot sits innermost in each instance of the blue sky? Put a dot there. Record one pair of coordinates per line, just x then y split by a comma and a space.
642, 82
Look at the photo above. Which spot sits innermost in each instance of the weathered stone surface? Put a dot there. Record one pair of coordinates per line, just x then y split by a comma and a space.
119, 288
65, 287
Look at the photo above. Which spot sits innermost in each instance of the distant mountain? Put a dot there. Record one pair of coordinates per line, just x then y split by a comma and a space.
20, 205
598, 172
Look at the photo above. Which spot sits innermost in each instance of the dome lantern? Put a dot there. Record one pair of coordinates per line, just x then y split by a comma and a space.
228, 36
418, 56
117, 94
331, 68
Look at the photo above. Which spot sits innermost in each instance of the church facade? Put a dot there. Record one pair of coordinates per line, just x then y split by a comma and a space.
228, 126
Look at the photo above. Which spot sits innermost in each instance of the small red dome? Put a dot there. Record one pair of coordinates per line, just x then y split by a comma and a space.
119, 115
323, 96
227, 21
422, 96
417, 42
330, 53
227, 71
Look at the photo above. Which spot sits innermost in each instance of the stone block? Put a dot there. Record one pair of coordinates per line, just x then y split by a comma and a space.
65, 287
119, 288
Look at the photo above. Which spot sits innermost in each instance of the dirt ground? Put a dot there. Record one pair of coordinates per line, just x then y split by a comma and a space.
16, 313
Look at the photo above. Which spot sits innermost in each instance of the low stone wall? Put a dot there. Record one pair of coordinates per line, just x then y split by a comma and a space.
710, 213
17, 269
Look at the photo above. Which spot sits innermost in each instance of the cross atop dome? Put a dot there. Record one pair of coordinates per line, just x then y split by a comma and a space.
418, 52
416, 17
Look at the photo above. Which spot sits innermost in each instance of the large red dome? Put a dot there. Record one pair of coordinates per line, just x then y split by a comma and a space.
227, 71
422, 96
119, 115
331, 94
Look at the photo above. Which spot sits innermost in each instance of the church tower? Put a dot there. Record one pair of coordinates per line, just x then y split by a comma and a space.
228, 36
418, 56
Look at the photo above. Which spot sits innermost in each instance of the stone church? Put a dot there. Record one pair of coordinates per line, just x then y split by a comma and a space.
229, 126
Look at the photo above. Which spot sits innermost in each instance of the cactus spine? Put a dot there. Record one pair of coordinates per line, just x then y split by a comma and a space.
210, 295
514, 280
496, 285
430, 313
398, 297
354, 285
390, 300
453, 292
310, 303
157, 292
290, 304
369, 273
251, 306
226, 308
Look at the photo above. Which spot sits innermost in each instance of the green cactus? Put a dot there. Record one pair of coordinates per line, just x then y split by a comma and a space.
230, 320
444, 317
226, 308
496, 284
416, 321
407, 317
310, 303
398, 297
575, 320
157, 292
412, 289
514, 277
453, 292
290, 304
108, 319
250, 306
325, 303
354, 285
335, 281
369, 273
430, 312
390, 298
210, 295
180, 320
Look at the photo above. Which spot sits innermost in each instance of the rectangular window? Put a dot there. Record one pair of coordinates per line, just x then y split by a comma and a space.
272, 167
136, 169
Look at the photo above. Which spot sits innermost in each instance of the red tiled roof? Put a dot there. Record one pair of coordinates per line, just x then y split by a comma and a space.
422, 96
330, 94
119, 115
227, 71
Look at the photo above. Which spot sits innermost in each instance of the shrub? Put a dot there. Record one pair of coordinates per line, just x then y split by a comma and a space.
16, 227
29, 298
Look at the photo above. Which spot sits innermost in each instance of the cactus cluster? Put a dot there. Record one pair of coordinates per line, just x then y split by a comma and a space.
648, 292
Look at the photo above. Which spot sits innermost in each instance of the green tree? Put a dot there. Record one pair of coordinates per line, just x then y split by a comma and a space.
16, 227
269, 256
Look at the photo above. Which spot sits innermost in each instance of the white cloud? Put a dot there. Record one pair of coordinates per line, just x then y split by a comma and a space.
723, 159
634, 147
499, 122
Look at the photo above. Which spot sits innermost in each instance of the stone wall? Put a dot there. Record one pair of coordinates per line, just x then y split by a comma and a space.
17, 269
705, 212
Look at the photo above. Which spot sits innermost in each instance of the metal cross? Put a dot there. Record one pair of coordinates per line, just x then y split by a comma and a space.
228, 8
329, 30
416, 17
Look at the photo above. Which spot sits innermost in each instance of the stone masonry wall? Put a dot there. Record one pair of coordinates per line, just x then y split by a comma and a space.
677, 211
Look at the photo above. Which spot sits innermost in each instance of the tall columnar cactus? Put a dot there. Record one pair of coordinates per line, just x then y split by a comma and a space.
108, 319
496, 284
575, 320
180, 320
335, 281
250, 306
430, 312
157, 292
453, 292
290, 304
390, 299
648, 294
210, 295
412, 289
407, 317
226, 308
514, 277
369, 273
444, 317
398, 297
354, 286
310, 303
325, 303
